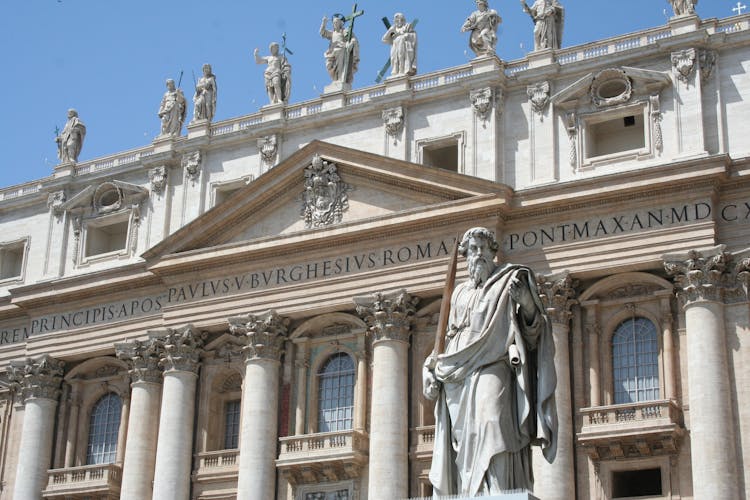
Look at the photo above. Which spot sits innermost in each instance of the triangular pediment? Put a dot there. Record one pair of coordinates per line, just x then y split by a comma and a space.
323, 188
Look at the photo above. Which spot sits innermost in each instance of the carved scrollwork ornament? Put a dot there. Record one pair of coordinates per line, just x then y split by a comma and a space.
393, 120
55, 202
683, 63
325, 198
158, 178
268, 147
539, 96
706, 61
388, 315
656, 118
483, 103
264, 333
39, 378
142, 358
611, 87
191, 163
180, 349
557, 293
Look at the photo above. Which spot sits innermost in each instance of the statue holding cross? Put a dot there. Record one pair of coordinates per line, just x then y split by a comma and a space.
342, 56
683, 7
403, 41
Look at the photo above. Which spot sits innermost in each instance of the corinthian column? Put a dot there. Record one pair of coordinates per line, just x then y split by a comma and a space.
140, 447
39, 384
265, 335
703, 280
389, 317
180, 353
556, 481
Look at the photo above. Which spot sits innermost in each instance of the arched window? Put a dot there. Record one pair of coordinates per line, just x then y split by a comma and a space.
635, 358
103, 428
336, 393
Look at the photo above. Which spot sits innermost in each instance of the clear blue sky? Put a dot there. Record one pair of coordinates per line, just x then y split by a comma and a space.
109, 59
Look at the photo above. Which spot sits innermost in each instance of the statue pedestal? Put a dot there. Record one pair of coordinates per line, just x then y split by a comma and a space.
337, 87
684, 24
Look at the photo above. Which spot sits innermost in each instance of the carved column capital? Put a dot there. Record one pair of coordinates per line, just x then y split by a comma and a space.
142, 358
179, 349
265, 334
157, 176
389, 315
39, 378
557, 293
701, 276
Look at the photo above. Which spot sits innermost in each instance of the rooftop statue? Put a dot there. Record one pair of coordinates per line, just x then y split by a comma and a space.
494, 385
172, 110
683, 7
548, 17
483, 24
403, 41
278, 74
204, 99
342, 56
70, 140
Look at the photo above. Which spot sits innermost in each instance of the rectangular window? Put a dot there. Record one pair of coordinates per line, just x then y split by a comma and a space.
636, 483
106, 237
232, 425
443, 156
618, 135
11, 260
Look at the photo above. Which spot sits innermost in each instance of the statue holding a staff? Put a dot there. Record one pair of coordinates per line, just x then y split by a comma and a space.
494, 383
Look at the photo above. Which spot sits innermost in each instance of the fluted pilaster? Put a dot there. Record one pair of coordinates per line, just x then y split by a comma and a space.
142, 358
180, 352
557, 480
265, 335
389, 317
704, 279
38, 382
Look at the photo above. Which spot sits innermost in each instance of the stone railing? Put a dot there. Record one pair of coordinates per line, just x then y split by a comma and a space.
630, 414
316, 446
236, 124
113, 161
21, 190
218, 459
422, 440
77, 482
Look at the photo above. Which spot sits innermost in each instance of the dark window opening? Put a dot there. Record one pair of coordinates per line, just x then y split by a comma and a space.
629, 121
445, 156
636, 483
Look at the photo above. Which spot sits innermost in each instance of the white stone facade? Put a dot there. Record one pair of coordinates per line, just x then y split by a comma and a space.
209, 280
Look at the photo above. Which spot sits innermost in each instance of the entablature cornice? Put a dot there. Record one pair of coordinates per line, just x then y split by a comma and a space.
707, 174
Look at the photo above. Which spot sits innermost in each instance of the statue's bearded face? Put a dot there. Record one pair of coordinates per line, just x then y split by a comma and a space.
480, 260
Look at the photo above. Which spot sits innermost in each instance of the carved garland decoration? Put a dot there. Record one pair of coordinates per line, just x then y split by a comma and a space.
191, 162
158, 178
483, 102
268, 147
571, 125
325, 198
684, 63
539, 97
393, 119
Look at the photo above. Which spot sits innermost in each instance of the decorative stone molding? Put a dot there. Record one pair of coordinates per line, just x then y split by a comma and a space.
180, 349
611, 87
571, 125
157, 176
142, 358
77, 223
393, 119
656, 118
706, 62
265, 334
191, 163
701, 276
483, 102
325, 198
55, 202
558, 296
539, 97
37, 379
683, 63
268, 147
388, 314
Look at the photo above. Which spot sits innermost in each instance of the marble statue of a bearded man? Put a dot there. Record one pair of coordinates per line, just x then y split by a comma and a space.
494, 385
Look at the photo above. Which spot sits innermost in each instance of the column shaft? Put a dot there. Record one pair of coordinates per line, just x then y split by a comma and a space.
35, 450
711, 420
301, 403
174, 449
389, 465
258, 435
70, 445
140, 445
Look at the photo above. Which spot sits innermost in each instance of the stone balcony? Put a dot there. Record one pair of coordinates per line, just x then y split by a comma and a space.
421, 442
631, 430
215, 466
325, 456
89, 482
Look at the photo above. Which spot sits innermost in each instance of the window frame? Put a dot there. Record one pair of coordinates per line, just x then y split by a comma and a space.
89, 224
319, 375
22, 243
637, 367
118, 419
640, 107
457, 138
